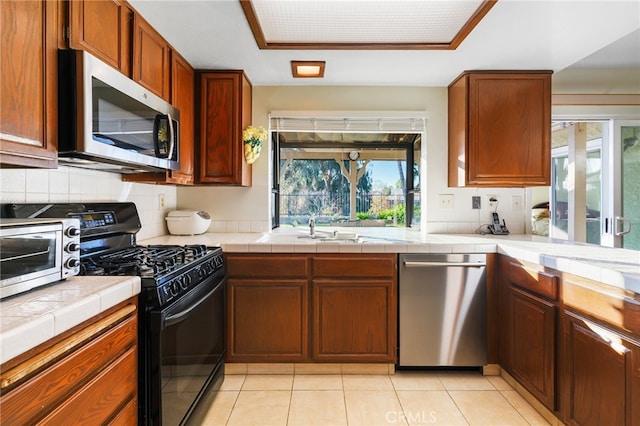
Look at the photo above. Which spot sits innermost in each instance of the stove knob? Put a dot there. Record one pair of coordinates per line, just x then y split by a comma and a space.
184, 282
173, 288
72, 232
72, 263
71, 247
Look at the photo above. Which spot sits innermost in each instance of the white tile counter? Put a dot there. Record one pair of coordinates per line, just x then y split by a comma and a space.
31, 318
616, 267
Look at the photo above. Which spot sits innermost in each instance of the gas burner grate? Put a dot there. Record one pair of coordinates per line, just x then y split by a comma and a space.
146, 262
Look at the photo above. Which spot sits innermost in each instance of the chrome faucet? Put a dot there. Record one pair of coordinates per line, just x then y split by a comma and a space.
312, 226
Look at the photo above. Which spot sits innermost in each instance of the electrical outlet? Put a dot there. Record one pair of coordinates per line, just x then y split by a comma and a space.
161, 201
475, 202
493, 200
445, 201
516, 203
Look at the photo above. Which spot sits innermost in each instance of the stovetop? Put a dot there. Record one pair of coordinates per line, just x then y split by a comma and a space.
148, 262
166, 271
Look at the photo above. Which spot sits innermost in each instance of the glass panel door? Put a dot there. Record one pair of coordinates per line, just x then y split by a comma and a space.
627, 222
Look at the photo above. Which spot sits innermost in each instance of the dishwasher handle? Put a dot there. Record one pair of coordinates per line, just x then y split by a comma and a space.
410, 264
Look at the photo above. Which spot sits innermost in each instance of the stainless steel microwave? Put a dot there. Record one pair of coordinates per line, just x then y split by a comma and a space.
35, 252
108, 122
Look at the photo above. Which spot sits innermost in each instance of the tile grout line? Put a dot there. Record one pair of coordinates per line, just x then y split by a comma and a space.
235, 401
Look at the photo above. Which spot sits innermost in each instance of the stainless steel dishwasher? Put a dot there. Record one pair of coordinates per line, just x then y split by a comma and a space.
442, 310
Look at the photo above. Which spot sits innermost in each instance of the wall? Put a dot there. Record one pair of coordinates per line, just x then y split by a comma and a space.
68, 184
248, 208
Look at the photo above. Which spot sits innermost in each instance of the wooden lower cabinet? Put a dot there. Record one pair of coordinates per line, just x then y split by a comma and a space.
353, 320
88, 376
311, 308
527, 306
572, 343
534, 345
601, 375
267, 320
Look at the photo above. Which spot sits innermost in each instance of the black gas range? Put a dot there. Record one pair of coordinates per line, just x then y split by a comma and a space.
182, 305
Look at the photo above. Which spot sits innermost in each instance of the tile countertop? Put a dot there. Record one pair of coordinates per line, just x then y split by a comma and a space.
31, 318
613, 266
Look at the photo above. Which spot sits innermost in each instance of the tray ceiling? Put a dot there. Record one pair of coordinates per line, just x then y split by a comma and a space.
367, 24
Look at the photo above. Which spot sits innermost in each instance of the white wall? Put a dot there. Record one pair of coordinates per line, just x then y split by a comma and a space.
247, 209
68, 184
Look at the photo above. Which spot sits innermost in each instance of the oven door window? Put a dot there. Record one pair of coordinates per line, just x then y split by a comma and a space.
192, 346
27, 255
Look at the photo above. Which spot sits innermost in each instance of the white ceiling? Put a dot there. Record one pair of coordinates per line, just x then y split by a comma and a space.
515, 34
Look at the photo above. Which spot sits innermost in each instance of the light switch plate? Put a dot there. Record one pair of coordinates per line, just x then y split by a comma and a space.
445, 201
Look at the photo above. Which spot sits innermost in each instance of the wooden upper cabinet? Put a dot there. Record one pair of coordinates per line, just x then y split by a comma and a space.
151, 58
500, 129
102, 28
28, 84
182, 89
224, 111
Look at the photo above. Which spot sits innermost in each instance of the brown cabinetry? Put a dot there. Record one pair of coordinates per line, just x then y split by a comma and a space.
602, 374
182, 89
322, 307
600, 354
223, 112
88, 375
151, 60
500, 129
102, 28
28, 84
573, 343
354, 308
267, 308
527, 314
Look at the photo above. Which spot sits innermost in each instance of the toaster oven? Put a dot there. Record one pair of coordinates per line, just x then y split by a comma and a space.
36, 252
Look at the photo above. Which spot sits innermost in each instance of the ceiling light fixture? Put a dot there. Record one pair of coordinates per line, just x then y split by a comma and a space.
307, 69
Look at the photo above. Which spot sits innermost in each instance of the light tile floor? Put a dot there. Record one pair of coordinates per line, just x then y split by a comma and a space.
406, 398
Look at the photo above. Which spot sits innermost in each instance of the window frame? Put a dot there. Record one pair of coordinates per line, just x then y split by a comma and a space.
408, 147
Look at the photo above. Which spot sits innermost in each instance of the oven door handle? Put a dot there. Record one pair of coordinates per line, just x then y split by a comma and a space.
182, 315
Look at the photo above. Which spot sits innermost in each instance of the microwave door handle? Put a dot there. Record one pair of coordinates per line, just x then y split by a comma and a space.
172, 137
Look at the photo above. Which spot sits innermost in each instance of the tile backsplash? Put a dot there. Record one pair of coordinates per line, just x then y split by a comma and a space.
70, 184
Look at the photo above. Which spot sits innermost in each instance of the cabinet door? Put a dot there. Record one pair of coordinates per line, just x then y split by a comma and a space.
510, 129
224, 111
28, 84
533, 346
500, 129
102, 28
182, 90
151, 60
602, 377
354, 320
267, 320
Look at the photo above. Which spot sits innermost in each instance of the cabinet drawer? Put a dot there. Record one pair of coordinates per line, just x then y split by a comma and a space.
341, 266
102, 397
48, 389
267, 266
536, 281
